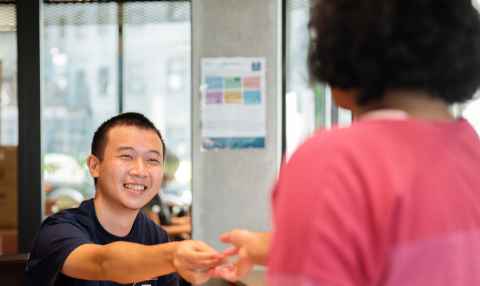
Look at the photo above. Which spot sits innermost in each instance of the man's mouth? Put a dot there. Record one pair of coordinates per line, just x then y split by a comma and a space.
135, 187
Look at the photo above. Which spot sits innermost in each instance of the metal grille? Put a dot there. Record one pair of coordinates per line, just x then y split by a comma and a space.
156, 12
297, 4
73, 1
8, 21
84, 14
99, 1
99, 13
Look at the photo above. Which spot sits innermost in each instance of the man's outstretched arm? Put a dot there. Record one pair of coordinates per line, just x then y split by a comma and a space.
126, 262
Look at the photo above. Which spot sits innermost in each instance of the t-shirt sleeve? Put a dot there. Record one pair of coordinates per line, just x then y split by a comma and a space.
54, 242
320, 223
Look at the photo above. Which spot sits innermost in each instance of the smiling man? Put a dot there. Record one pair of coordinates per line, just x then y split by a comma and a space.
108, 240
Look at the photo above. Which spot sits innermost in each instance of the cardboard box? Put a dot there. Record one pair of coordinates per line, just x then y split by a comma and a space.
8, 241
8, 187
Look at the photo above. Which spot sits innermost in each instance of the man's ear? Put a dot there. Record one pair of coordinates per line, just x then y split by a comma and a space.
93, 166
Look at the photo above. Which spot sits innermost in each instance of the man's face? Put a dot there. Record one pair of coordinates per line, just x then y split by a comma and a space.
131, 171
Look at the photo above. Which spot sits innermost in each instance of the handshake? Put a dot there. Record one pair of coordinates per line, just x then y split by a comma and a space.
197, 262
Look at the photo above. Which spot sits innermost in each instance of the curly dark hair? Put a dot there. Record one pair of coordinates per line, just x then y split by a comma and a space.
375, 45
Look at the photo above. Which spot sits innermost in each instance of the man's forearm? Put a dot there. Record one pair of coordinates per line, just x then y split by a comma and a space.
126, 262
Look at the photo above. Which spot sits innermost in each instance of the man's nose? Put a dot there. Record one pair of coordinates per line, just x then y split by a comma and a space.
139, 168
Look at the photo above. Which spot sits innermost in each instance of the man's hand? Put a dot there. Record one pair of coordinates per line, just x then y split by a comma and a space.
251, 248
193, 260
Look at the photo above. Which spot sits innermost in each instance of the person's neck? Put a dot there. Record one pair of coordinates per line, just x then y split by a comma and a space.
113, 218
416, 104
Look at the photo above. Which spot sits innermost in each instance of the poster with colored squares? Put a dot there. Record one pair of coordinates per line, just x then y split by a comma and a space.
233, 108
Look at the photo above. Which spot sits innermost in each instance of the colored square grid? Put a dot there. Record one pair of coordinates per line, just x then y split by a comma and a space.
233, 97
252, 97
233, 83
251, 82
215, 97
214, 82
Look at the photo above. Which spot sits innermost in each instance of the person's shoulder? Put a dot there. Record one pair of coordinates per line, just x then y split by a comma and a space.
364, 129
342, 149
329, 142
80, 216
58, 236
358, 136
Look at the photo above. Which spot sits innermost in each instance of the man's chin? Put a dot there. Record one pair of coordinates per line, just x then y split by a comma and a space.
134, 206
136, 202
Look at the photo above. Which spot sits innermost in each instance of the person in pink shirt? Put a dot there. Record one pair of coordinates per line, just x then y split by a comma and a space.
394, 199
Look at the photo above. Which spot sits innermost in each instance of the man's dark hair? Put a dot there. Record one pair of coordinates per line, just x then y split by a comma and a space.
375, 45
124, 119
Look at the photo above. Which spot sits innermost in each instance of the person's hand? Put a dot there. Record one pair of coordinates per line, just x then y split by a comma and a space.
250, 247
193, 260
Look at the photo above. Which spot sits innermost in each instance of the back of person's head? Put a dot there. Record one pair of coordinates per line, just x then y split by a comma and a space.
377, 45
100, 138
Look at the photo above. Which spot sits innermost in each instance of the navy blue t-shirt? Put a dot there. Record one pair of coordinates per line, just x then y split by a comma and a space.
61, 233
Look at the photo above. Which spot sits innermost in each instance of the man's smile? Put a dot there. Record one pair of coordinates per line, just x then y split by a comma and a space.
135, 187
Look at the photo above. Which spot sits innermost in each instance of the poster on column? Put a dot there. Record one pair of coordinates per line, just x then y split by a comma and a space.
233, 107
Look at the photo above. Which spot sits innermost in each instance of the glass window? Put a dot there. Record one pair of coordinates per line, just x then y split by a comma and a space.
471, 112
8, 76
307, 107
104, 58
80, 92
8, 129
157, 84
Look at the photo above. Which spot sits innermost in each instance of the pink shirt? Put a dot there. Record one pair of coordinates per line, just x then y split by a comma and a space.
384, 202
